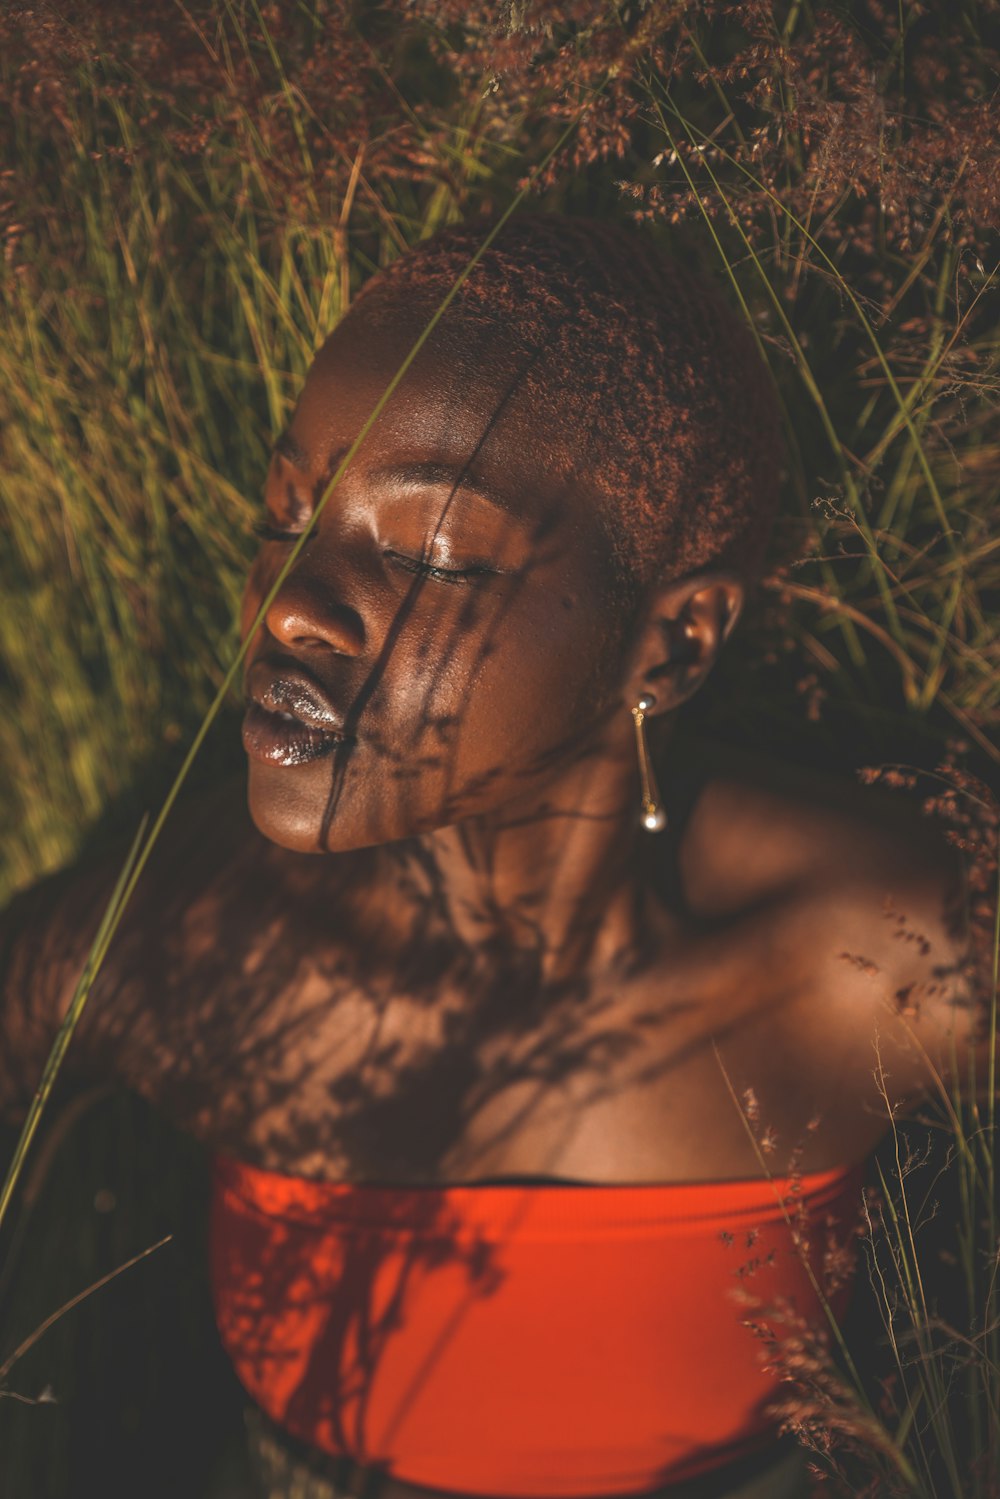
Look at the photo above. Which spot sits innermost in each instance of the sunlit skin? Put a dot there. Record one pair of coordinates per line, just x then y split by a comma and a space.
448, 952
489, 706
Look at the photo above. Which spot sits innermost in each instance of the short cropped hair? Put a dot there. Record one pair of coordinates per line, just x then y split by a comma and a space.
657, 384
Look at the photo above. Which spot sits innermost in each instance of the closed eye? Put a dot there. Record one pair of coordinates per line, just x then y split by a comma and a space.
441, 574
266, 532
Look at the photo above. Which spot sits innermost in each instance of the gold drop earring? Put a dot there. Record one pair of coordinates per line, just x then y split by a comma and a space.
654, 818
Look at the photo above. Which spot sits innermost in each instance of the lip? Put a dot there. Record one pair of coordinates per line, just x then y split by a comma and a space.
287, 689
289, 719
284, 741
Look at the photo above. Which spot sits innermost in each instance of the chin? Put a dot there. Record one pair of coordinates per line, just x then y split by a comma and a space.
290, 818
287, 807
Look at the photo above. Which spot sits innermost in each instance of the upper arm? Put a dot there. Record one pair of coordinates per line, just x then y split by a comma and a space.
46, 933
906, 943
877, 915
940, 973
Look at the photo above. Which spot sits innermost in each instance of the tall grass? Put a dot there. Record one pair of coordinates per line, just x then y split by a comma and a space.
193, 198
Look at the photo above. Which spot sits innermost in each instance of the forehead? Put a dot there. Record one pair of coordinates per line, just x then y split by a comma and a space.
466, 405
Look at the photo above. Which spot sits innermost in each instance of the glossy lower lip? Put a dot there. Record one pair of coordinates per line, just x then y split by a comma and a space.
284, 741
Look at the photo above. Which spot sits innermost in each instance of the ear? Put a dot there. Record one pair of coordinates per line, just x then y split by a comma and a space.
685, 625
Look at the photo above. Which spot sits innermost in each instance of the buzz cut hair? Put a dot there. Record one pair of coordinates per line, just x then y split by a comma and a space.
657, 385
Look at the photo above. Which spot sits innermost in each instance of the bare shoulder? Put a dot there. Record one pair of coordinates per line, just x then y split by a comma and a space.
866, 894
208, 947
761, 829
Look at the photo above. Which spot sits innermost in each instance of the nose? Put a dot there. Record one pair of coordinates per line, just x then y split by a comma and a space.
306, 614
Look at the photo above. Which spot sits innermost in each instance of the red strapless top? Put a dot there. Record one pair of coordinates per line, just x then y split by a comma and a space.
517, 1339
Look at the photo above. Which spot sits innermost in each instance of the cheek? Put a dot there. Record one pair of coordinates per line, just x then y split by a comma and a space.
515, 676
555, 678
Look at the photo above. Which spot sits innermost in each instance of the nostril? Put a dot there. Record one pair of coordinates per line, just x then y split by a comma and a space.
309, 624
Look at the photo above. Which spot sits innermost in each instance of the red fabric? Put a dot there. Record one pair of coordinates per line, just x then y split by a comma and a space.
516, 1340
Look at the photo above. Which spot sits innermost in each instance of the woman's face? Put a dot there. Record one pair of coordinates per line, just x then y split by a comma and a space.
444, 630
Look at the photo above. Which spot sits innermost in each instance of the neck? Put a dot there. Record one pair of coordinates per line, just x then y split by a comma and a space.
558, 876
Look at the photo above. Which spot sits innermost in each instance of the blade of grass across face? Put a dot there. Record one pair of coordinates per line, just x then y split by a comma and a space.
140, 851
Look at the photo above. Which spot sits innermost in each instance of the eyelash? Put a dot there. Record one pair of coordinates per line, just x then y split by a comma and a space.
439, 574
266, 532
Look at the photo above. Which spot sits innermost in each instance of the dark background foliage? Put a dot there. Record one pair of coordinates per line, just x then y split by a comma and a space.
190, 194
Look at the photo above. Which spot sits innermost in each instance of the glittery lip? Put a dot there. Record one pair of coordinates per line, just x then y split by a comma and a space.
289, 719
280, 739
288, 691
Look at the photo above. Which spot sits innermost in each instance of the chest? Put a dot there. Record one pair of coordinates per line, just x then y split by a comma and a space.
324, 1065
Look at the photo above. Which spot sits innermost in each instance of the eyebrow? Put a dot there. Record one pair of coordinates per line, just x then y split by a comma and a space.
427, 475
431, 475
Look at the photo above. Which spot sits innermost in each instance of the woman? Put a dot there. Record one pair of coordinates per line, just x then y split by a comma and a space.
482, 1080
